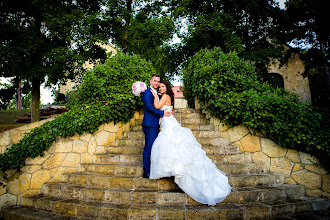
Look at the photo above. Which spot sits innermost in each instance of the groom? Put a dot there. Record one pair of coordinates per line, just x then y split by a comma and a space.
150, 122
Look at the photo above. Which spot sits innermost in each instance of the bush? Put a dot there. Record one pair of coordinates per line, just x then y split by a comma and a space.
104, 95
229, 88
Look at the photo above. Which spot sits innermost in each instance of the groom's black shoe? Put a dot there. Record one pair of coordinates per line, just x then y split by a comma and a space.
146, 175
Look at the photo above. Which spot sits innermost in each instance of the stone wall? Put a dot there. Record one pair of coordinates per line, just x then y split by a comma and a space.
298, 167
64, 156
67, 154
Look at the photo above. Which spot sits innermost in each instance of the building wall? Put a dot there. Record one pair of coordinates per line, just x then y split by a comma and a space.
292, 72
70, 83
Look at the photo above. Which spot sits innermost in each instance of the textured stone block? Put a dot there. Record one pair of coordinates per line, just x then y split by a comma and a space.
16, 136
111, 127
63, 145
85, 137
201, 212
79, 179
116, 182
271, 149
92, 194
293, 155
8, 200
280, 208
256, 211
281, 165
38, 178
171, 212
316, 169
79, 146
89, 210
99, 181
142, 212
260, 157
71, 160
250, 143
118, 196
65, 207
307, 158
19, 185
297, 167
5, 138
110, 211
307, 178
104, 138
143, 183
174, 198
326, 183
143, 197
237, 133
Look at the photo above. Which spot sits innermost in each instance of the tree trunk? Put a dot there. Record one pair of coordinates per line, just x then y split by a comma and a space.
19, 93
35, 104
127, 23
326, 67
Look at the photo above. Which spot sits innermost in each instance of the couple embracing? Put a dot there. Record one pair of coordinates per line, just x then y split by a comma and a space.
174, 151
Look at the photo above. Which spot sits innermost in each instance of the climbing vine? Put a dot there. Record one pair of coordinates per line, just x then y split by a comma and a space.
227, 86
103, 95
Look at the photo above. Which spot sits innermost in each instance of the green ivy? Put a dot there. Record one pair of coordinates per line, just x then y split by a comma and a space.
229, 88
103, 95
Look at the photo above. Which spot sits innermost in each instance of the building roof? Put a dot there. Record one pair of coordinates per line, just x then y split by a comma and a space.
177, 92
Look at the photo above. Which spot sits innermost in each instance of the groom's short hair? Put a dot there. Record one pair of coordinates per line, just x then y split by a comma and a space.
154, 75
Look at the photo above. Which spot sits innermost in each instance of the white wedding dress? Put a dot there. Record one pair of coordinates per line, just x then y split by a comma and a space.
177, 153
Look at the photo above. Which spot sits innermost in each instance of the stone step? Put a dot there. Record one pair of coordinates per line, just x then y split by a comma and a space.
193, 127
137, 150
130, 142
196, 127
197, 133
255, 180
153, 192
134, 182
97, 210
17, 212
134, 159
137, 171
187, 110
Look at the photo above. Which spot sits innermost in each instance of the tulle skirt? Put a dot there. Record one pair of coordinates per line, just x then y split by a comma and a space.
177, 153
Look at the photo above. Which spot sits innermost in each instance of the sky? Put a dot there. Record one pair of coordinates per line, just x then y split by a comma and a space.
46, 94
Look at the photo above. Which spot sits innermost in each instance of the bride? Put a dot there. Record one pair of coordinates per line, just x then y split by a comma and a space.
177, 153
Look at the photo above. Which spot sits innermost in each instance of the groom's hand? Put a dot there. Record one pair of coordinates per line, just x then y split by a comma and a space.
167, 114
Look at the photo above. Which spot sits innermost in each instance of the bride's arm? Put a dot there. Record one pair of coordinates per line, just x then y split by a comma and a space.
159, 105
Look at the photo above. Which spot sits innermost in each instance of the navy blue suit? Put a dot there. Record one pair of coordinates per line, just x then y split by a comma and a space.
150, 126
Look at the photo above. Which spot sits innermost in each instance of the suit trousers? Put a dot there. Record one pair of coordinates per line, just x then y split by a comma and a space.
150, 135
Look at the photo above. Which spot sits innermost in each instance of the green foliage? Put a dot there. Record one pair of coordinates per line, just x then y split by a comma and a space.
104, 95
227, 87
305, 25
235, 25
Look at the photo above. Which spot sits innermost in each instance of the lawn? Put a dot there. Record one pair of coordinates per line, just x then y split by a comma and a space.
8, 117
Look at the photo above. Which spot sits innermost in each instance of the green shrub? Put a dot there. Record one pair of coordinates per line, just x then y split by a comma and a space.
229, 88
104, 95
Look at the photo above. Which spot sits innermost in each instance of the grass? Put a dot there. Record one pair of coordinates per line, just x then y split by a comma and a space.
8, 117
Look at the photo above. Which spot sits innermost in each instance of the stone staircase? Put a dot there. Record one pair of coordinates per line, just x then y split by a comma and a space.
112, 186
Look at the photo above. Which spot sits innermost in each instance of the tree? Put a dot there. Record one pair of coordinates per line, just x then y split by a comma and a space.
46, 39
137, 27
15, 94
305, 24
244, 26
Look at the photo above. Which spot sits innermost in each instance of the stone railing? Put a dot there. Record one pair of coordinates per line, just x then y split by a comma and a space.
65, 155
298, 167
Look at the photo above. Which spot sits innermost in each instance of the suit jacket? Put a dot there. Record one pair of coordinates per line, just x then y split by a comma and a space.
151, 114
